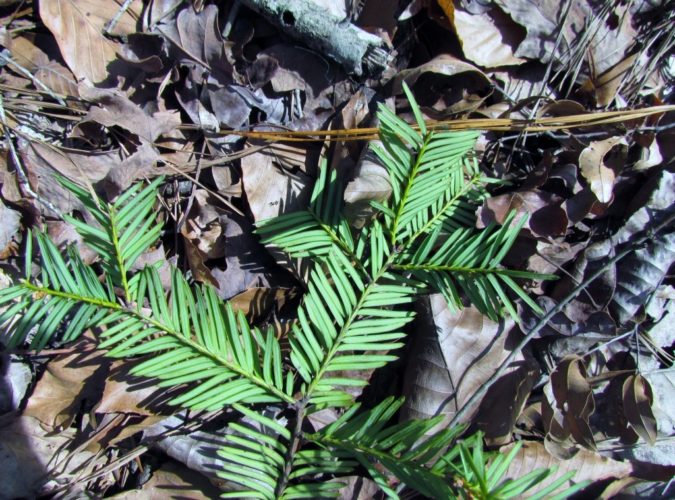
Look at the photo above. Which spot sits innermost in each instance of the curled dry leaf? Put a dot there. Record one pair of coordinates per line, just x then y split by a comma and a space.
446, 85
78, 25
637, 405
487, 39
545, 215
573, 400
592, 163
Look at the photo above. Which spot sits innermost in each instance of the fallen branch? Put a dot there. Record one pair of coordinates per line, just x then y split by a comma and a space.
358, 51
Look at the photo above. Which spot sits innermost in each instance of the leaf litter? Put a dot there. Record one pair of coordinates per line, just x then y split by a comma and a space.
107, 94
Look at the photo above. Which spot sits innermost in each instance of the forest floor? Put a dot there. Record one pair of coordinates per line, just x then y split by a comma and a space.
232, 104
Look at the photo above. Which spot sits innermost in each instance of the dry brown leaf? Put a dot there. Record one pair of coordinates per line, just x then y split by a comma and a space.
574, 399
51, 73
113, 108
487, 39
370, 183
124, 393
446, 85
269, 190
637, 405
586, 465
172, 480
592, 165
607, 41
77, 26
448, 8
606, 85
68, 379
545, 215
30, 458
258, 303
454, 354
10, 221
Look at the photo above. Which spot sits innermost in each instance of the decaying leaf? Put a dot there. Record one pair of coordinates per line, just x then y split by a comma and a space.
78, 27
586, 465
573, 401
67, 381
637, 403
487, 39
454, 354
599, 176
446, 85
31, 457
172, 480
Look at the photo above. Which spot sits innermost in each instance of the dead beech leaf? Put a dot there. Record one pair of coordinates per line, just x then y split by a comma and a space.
637, 405
271, 191
68, 379
453, 355
77, 26
172, 480
599, 176
486, 38
371, 183
124, 393
446, 85
587, 465
545, 215
51, 73
574, 399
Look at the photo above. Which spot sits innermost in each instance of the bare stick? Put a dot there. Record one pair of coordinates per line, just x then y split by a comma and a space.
110, 25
